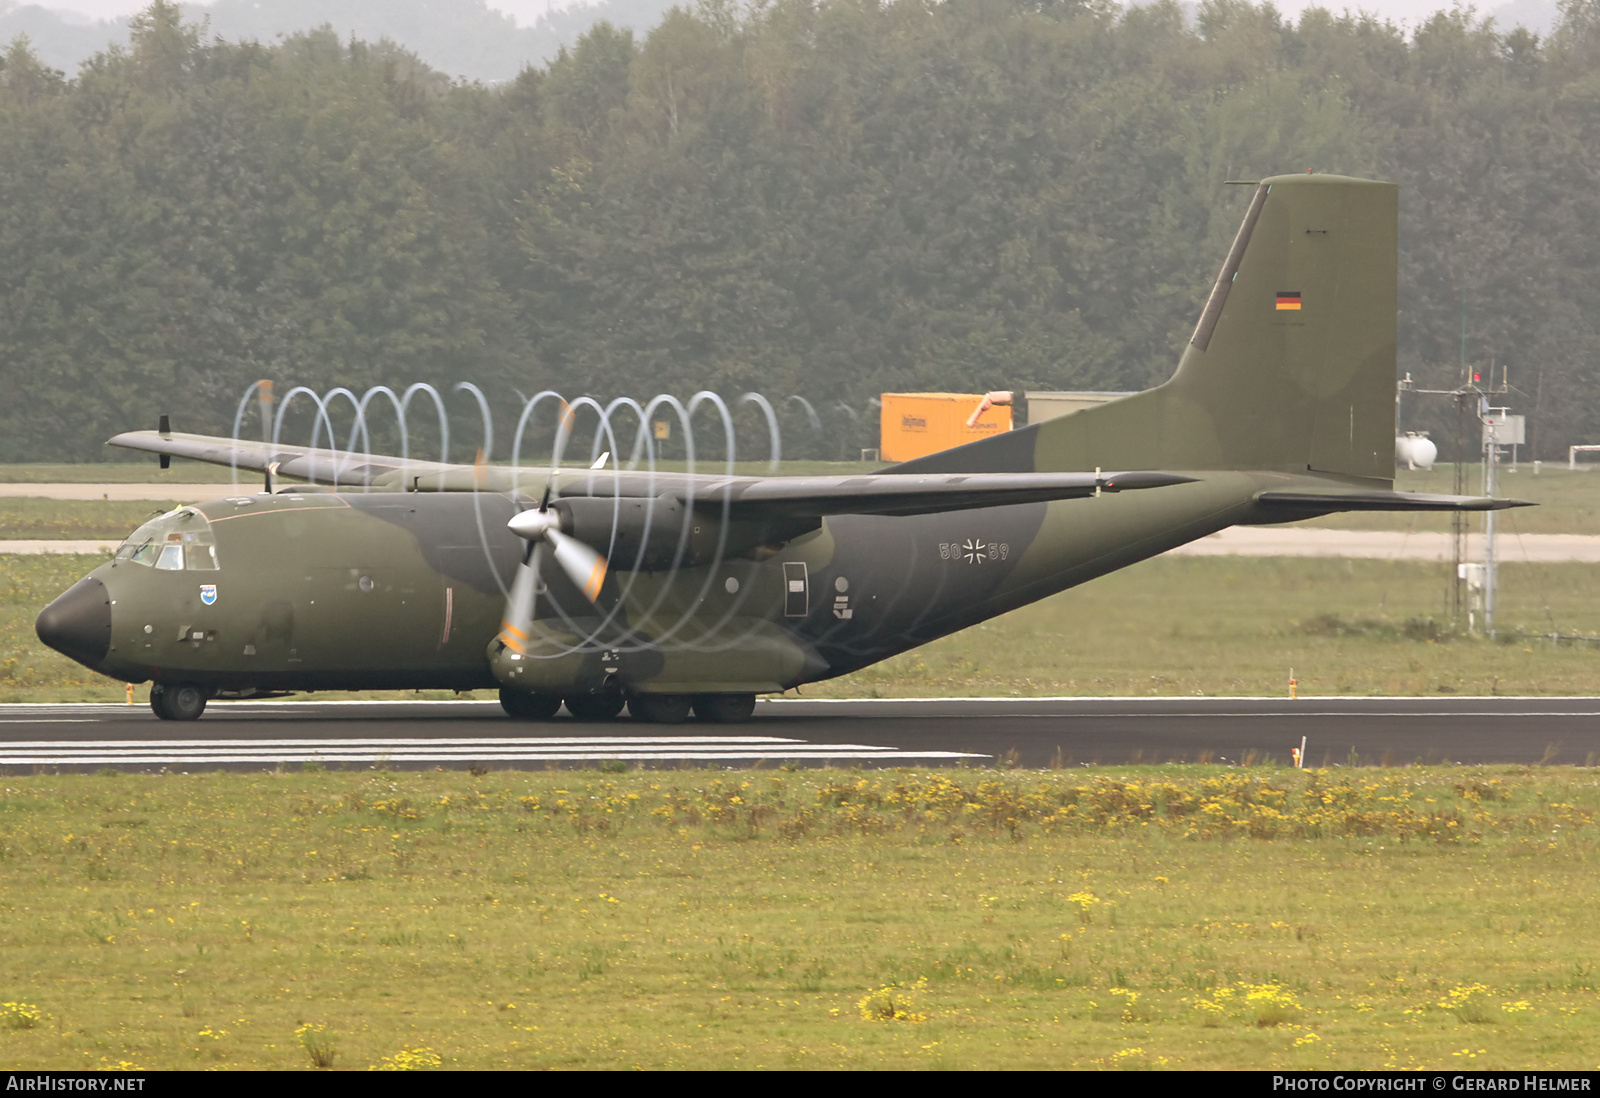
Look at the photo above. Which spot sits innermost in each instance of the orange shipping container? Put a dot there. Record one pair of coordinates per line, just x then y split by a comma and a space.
915, 424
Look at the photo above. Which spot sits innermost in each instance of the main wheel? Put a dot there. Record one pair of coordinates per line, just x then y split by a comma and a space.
594, 707
724, 708
528, 707
659, 708
182, 701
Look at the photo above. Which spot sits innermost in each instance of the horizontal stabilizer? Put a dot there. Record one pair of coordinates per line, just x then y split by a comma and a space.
1377, 500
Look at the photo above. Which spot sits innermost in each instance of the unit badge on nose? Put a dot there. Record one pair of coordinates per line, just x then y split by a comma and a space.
208, 593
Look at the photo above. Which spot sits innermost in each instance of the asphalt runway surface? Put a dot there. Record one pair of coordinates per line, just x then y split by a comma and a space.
1029, 733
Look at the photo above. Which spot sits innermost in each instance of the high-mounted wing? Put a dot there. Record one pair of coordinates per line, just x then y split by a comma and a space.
745, 497
320, 465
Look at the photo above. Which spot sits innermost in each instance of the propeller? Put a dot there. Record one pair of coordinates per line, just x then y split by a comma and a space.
583, 565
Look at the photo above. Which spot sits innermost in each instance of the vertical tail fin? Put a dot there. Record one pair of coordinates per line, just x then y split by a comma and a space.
1290, 368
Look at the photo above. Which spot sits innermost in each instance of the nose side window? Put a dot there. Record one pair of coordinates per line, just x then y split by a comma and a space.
171, 558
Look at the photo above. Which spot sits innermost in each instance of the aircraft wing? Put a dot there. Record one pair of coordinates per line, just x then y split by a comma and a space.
321, 465
744, 496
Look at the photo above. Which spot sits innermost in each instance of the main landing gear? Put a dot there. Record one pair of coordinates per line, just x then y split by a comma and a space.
541, 707
529, 707
650, 708
181, 701
674, 708
594, 707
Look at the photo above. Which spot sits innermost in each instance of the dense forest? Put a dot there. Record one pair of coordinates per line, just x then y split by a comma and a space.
830, 198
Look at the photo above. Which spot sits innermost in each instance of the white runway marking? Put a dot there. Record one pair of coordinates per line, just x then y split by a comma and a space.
742, 749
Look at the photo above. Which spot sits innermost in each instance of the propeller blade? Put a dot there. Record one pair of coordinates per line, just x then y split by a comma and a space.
584, 566
517, 622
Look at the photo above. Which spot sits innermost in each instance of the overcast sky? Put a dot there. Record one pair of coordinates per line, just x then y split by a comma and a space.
527, 11
523, 11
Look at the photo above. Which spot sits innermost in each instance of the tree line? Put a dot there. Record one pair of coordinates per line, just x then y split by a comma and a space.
824, 198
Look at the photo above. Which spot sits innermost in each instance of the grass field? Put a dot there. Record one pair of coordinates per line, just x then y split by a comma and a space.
1187, 625
113, 520
1187, 917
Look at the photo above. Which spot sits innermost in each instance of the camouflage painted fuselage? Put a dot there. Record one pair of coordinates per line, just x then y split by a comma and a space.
323, 591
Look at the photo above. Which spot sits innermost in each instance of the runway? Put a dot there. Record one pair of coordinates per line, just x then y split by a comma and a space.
1027, 733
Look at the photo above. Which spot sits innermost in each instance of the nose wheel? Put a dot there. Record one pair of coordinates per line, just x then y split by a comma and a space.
183, 701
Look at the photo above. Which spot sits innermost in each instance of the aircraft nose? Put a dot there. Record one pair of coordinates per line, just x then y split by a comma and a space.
78, 623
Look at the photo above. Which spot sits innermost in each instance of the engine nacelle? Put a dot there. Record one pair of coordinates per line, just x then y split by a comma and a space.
621, 527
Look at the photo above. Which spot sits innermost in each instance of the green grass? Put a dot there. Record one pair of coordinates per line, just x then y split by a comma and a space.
1208, 917
1184, 625
25, 518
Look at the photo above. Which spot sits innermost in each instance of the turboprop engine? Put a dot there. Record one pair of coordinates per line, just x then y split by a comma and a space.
642, 534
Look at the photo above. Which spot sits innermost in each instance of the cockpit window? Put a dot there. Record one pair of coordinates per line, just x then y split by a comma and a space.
173, 541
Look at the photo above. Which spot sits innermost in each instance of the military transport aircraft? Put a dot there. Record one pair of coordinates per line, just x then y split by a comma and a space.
671, 592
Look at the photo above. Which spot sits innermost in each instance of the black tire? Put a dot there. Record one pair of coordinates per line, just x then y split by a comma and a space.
659, 708
158, 700
724, 708
182, 701
594, 707
529, 707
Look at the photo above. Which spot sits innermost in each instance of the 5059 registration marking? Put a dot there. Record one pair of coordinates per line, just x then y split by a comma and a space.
974, 550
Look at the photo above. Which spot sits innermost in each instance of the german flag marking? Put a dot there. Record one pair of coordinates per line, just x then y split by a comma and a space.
1288, 301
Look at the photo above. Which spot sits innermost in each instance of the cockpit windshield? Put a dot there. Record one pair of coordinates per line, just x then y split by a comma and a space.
172, 542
